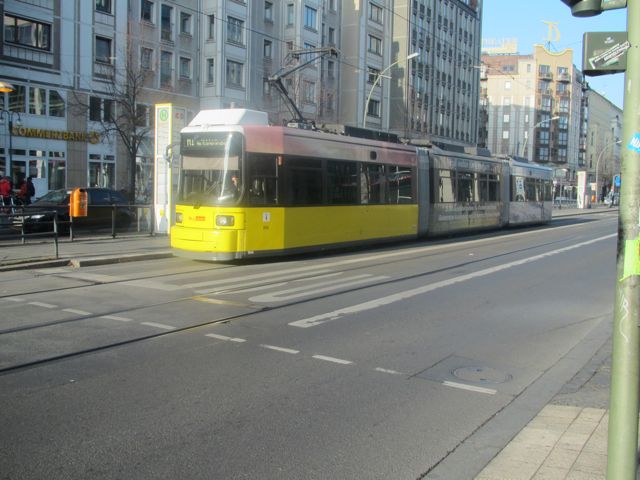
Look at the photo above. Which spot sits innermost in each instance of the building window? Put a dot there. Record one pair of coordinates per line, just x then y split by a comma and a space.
146, 58
310, 18
166, 26
103, 6
235, 29
332, 36
185, 23
373, 108
372, 74
57, 106
185, 68
375, 45
266, 87
505, 134
211, 27
142, 115
268, 11
507, 85
375, 13
210, 71
147, 10
37, 101
103, 50
266, 48
308, 91
18, 99
56, 173
166, 69
235, 74
290, 14
102, 173
27, 33
101, 110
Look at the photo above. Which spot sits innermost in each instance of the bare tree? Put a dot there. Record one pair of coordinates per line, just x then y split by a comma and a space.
128, 117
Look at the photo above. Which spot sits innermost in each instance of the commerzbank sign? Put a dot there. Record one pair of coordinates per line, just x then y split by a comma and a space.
67, 136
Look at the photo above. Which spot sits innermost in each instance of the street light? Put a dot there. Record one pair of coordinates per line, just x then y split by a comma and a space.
534, 127
598, 162
380, 75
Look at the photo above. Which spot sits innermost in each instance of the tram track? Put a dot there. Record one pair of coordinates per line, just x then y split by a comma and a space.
254, 308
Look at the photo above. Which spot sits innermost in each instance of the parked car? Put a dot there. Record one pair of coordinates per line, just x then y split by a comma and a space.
101, 201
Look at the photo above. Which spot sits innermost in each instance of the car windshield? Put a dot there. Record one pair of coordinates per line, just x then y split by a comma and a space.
54, 196
211, 170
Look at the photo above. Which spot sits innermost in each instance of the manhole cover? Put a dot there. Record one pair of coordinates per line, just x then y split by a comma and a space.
483, 375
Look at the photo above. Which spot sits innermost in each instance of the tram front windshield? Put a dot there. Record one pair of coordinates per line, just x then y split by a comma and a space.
211, 169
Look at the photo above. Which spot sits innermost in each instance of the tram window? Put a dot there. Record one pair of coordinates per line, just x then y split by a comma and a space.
547, 191
465, 186
517, 189
445, 187
263, 181
530, 190
371, 184
342, 187
493, 188
400, 185
305, 181
482, 187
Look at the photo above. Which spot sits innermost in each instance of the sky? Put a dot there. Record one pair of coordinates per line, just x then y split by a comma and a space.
524, 21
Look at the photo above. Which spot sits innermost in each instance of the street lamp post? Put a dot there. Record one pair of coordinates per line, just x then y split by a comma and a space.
375, 82
6, 87
598, 162
9, 114
534, 127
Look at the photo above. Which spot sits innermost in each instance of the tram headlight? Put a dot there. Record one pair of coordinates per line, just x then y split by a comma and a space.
178, 217
225, 220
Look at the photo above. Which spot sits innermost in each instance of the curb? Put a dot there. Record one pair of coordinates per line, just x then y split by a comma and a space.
106, 260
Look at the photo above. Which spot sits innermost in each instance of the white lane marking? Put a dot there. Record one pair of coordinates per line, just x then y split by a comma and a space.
90, 277
225, 338
370, 305
117, 319
253, 289
79, 312
292, 273
281, 349
158, 325
43, 305
472, 388
14, 299
332, 359
291, 293
384, 370
251, 280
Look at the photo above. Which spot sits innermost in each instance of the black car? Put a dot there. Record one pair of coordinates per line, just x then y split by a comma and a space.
38, 217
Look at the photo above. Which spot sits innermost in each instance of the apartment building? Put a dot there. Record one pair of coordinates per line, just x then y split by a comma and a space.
532, 107
602, 141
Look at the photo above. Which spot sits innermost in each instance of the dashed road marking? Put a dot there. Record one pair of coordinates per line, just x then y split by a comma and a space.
78, 312
333, 359
43, 305
281, 349
116, 318
225, 338
385, 370
158, 325
472, 388
14, 299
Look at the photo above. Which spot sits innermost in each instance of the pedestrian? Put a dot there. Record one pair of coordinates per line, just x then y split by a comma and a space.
5, 191
27, 191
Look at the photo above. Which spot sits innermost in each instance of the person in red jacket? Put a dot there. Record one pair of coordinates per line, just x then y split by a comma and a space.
5, 191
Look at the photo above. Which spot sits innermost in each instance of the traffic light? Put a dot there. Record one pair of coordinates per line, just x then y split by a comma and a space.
584, 8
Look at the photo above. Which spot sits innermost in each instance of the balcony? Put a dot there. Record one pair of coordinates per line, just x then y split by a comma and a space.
545, 75
564, 77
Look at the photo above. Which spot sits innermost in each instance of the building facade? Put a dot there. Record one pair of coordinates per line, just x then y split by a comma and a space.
86, 74
532, 106
602, 142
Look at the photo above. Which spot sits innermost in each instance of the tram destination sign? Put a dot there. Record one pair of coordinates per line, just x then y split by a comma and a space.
604, 53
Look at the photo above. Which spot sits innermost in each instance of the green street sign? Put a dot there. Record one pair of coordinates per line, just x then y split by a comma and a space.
604, 53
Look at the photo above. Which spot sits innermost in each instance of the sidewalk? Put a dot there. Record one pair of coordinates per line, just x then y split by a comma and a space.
40, 252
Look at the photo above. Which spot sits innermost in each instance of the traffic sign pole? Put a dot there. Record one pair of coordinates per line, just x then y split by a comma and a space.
623, 416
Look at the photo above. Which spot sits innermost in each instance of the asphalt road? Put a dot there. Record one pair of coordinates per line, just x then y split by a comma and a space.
416, 360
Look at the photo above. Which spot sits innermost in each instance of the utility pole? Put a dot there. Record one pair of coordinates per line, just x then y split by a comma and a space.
622, 452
